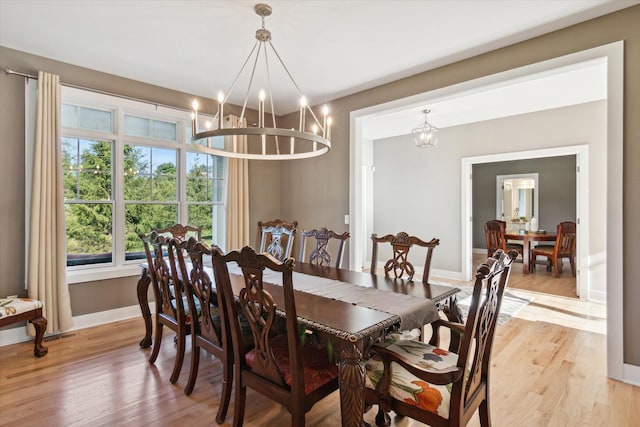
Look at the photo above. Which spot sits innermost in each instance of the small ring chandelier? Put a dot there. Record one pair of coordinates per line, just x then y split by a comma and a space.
426, 134
267, 143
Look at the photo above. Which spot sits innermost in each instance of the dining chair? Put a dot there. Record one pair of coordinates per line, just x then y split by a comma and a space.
171, 304
210, 331
276, 237
438, 386
564, 247
494, 231
321, 255
401, 243
279, 365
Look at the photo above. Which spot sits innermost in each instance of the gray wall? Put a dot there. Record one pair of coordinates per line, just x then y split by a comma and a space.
557, 191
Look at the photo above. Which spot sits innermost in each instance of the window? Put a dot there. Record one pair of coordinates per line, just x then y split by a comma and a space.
129, 168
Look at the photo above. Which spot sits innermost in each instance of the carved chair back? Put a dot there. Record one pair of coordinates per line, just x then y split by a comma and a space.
181, 232
401, 243
320, 255
276, 238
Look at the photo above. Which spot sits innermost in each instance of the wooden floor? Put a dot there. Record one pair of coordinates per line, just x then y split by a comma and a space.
548, 370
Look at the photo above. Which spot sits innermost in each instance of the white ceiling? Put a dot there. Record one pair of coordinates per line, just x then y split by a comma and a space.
332, 48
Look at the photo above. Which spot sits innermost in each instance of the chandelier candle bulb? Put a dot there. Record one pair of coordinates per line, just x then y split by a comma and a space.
195, 106
194, 127
325, 112
220, 109
292, 144
303, 104
261, 97
315, 132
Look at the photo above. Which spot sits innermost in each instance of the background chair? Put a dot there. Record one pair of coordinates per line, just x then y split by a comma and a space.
321, 255
494, 234
170, 302
565, 247
210, 330
401, 244
437, 386
276, 238
279, 366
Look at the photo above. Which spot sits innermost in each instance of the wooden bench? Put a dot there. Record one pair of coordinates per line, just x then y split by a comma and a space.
14, 310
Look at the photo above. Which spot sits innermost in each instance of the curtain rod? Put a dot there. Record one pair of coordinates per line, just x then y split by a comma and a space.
102, 92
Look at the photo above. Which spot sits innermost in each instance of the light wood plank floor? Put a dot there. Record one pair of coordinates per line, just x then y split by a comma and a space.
548, 370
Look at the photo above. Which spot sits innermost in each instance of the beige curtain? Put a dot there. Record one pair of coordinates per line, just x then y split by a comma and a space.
238, 192
46, 270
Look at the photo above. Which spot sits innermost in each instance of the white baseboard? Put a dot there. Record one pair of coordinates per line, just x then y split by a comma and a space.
631, 374
19, 334
479, 250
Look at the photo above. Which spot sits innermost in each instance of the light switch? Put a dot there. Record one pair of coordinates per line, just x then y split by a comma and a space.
346, 219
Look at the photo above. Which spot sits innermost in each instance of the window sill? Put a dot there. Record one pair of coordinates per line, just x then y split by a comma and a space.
102, 273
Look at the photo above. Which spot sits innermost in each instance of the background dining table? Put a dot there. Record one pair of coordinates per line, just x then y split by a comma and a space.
527, 238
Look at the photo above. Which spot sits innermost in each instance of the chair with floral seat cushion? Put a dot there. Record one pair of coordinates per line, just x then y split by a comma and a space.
279, 366
438, 386
171, 303
276, 238
401, 243
210, 331
321, 254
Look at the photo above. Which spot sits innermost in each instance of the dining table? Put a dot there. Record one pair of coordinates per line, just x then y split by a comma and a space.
527, 237
352, 309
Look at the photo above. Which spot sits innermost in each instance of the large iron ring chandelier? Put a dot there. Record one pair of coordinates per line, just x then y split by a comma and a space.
265, 143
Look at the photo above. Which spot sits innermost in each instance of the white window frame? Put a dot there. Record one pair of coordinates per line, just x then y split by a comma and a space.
121, 106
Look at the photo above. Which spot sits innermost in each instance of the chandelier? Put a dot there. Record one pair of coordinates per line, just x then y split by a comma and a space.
426, 134
265, 141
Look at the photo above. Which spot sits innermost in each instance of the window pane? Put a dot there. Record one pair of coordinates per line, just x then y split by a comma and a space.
89, 233
95, 119
87, 169
164, 174
69, 116
165, 130
136, 126
200, 216
142, 218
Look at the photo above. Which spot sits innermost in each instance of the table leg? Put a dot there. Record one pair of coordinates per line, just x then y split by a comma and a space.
525, 255
351, 377
143, 300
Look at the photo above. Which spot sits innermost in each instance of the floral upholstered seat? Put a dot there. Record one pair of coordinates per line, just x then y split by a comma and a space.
15, 306
14, 310
409, 388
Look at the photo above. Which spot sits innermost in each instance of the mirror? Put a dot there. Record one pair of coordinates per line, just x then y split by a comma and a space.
517, 200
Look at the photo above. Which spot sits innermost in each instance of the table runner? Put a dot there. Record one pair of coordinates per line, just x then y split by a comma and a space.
414, 312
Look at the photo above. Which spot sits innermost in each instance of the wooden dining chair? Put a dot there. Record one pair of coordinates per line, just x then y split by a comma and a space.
565, 247
438, 386
494, 231
171, 304
276, 237
401, 243
321, 255
210, 331
279, 366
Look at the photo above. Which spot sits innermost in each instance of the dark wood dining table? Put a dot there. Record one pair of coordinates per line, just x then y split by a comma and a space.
351, 328
526, 239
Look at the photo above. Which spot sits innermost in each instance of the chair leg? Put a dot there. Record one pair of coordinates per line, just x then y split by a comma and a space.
227, 382
177, 366
483, 412
573, 266
239, 402
195, 363
40, 324
157, 341
556, 268
382, 418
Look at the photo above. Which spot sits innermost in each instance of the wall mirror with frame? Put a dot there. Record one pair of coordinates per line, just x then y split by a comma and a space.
517, 200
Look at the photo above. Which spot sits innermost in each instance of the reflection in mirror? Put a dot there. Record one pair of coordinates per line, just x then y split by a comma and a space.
517, 200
